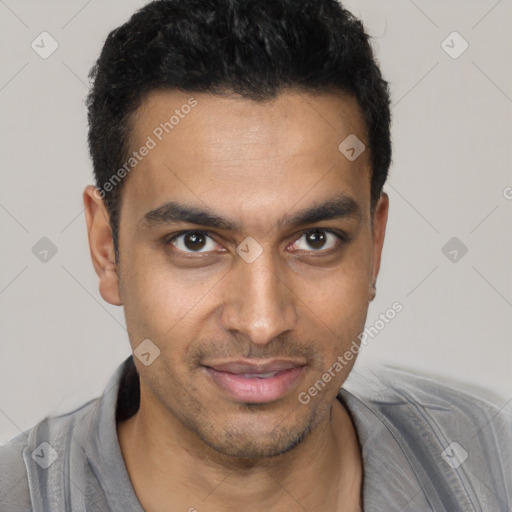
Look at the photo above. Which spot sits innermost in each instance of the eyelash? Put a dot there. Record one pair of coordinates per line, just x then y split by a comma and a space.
342, 237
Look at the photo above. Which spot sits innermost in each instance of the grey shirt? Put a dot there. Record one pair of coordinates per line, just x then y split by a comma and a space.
425, 447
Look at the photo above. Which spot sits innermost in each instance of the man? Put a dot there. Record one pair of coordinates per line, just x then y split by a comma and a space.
240, 150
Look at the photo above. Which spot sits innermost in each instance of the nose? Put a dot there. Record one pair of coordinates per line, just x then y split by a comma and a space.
259, 302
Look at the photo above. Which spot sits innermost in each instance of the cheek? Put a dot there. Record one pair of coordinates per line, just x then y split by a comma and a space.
338, 294
162, 302
336, 317
336, 306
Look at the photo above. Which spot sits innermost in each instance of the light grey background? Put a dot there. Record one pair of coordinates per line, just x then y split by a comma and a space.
452, 158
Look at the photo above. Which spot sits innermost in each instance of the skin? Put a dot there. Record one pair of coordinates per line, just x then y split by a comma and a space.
191, 445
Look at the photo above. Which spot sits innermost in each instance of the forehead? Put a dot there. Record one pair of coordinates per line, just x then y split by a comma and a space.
229, 153
231, 119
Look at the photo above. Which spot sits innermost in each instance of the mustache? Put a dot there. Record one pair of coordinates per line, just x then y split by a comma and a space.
232, 349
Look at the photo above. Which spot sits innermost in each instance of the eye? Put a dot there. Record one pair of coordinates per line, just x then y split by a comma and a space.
317, 240
193, 242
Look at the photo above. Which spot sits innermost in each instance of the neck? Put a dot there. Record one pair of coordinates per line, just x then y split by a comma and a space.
169, 464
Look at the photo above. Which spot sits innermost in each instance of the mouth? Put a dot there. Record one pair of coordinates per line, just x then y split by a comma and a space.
251, 382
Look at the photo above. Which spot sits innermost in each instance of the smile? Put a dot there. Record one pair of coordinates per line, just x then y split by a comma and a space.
255, 383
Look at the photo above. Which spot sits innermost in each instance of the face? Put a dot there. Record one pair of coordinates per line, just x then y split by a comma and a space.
247, 255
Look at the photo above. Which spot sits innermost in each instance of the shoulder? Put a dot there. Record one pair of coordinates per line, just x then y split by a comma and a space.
454, 439
14, 489
385, 388
37, 455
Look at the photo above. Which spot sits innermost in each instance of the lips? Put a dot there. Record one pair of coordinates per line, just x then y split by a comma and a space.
255, 382
241, 367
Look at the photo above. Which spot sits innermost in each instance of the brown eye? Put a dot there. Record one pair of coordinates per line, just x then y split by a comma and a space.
316, 239
193, 241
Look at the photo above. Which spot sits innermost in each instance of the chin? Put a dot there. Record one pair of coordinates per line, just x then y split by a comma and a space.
249, 442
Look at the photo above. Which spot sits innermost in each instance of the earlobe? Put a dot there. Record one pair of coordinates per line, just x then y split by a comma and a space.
101, 245
373, 292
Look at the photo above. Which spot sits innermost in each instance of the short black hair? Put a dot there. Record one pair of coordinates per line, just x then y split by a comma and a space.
252, 48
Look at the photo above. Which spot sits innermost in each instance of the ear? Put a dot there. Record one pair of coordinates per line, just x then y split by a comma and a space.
379, 222
101, 245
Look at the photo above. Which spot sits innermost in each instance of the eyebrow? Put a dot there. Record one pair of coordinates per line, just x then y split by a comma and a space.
172, 212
